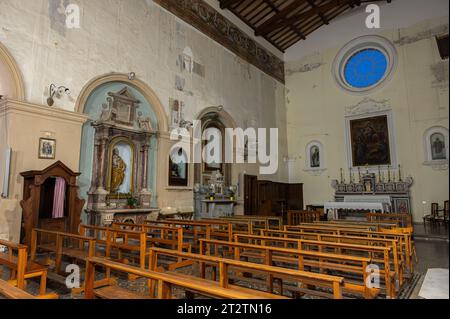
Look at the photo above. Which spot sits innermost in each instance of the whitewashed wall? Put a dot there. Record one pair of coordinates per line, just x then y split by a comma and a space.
417, 95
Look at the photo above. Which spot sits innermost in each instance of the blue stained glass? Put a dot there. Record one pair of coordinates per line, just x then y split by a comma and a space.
365, 68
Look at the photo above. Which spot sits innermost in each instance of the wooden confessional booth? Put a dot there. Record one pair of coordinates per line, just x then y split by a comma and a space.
39, 200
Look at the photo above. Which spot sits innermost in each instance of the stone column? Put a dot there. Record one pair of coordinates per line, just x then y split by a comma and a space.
101, 166
145, 195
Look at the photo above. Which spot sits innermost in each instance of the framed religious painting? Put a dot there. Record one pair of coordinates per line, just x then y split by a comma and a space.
178, 168
47, 148
370, 141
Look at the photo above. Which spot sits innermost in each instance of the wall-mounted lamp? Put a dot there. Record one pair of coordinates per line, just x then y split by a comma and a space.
56, 92
131, 76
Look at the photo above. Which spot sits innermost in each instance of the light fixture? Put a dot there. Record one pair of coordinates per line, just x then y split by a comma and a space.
131, 76
56, 92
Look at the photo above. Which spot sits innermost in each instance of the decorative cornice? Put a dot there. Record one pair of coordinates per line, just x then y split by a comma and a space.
368, 105
206, 19
18, 107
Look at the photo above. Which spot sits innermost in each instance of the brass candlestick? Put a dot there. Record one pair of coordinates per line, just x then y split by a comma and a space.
399, 173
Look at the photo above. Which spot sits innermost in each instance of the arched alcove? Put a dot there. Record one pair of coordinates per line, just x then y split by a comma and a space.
11, 81
215, 117
95, 100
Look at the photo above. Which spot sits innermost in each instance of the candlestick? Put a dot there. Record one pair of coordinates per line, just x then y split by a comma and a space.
359, 174
379, 174
389, 174
342, 176
399, 173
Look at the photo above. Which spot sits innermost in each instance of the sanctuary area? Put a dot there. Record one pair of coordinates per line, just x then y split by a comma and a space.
224, 149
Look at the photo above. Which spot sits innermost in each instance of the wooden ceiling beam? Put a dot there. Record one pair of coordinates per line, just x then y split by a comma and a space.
266, 28
281, 14
226, 4
273, 24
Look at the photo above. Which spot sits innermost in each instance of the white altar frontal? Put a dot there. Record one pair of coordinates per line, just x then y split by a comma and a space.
333, 208
371, 193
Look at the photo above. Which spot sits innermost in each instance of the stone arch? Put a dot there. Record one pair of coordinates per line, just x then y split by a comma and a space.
148, 93
10, 71
224, 116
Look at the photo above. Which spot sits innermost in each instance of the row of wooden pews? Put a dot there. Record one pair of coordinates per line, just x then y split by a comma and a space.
236, 257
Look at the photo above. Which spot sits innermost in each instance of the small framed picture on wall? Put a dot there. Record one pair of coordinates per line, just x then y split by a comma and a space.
47, 148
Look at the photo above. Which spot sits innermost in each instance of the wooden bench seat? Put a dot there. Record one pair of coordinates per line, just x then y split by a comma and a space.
21, 268
385, 257
164, 281
349, 266
223, 265
115, 292
255, 293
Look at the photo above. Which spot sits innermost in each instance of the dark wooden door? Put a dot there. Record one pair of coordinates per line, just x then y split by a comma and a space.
250, 195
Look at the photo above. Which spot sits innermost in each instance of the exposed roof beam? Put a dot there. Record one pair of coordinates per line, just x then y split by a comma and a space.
226, 4
280, 15
280, 21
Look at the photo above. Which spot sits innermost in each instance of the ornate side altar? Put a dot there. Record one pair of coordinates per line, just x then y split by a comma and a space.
370, 194
214, 200
119, 189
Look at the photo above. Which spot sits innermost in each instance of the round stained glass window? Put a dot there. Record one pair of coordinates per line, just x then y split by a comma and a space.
365, 68
364, 64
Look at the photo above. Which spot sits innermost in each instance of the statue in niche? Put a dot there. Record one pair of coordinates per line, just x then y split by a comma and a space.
144, 123
118, 171
315, 157
438, 150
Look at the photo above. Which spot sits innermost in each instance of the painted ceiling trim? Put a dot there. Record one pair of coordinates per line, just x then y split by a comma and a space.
210, 22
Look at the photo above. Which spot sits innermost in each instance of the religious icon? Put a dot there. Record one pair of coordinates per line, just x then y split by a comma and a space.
438, 147
370, 141
315, 157
118, 171
47, 148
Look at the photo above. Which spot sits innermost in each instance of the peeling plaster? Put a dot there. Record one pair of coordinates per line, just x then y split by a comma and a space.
57, 15
403, 40
304, 68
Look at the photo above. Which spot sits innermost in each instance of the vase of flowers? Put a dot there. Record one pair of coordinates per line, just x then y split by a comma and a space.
132, 201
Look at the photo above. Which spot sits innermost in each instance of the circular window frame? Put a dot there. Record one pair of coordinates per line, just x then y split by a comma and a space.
355, 46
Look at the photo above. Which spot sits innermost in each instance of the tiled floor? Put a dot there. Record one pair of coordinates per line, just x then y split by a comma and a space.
432, 251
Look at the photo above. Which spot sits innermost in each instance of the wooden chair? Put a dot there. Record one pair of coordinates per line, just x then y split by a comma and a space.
442, 219
432, 217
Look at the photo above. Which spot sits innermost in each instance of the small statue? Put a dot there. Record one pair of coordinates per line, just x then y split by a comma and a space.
118, 171
144, 123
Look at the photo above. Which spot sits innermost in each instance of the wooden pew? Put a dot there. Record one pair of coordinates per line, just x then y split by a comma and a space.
128, 241
97, 232
404, 239
12, 292
347, 266
219, 229
302, 278
381, 256
164, 281
376, 226
158, 235
296, 217
16, 259
358, 240
402, 220
64, 244
270, 222
242, 226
